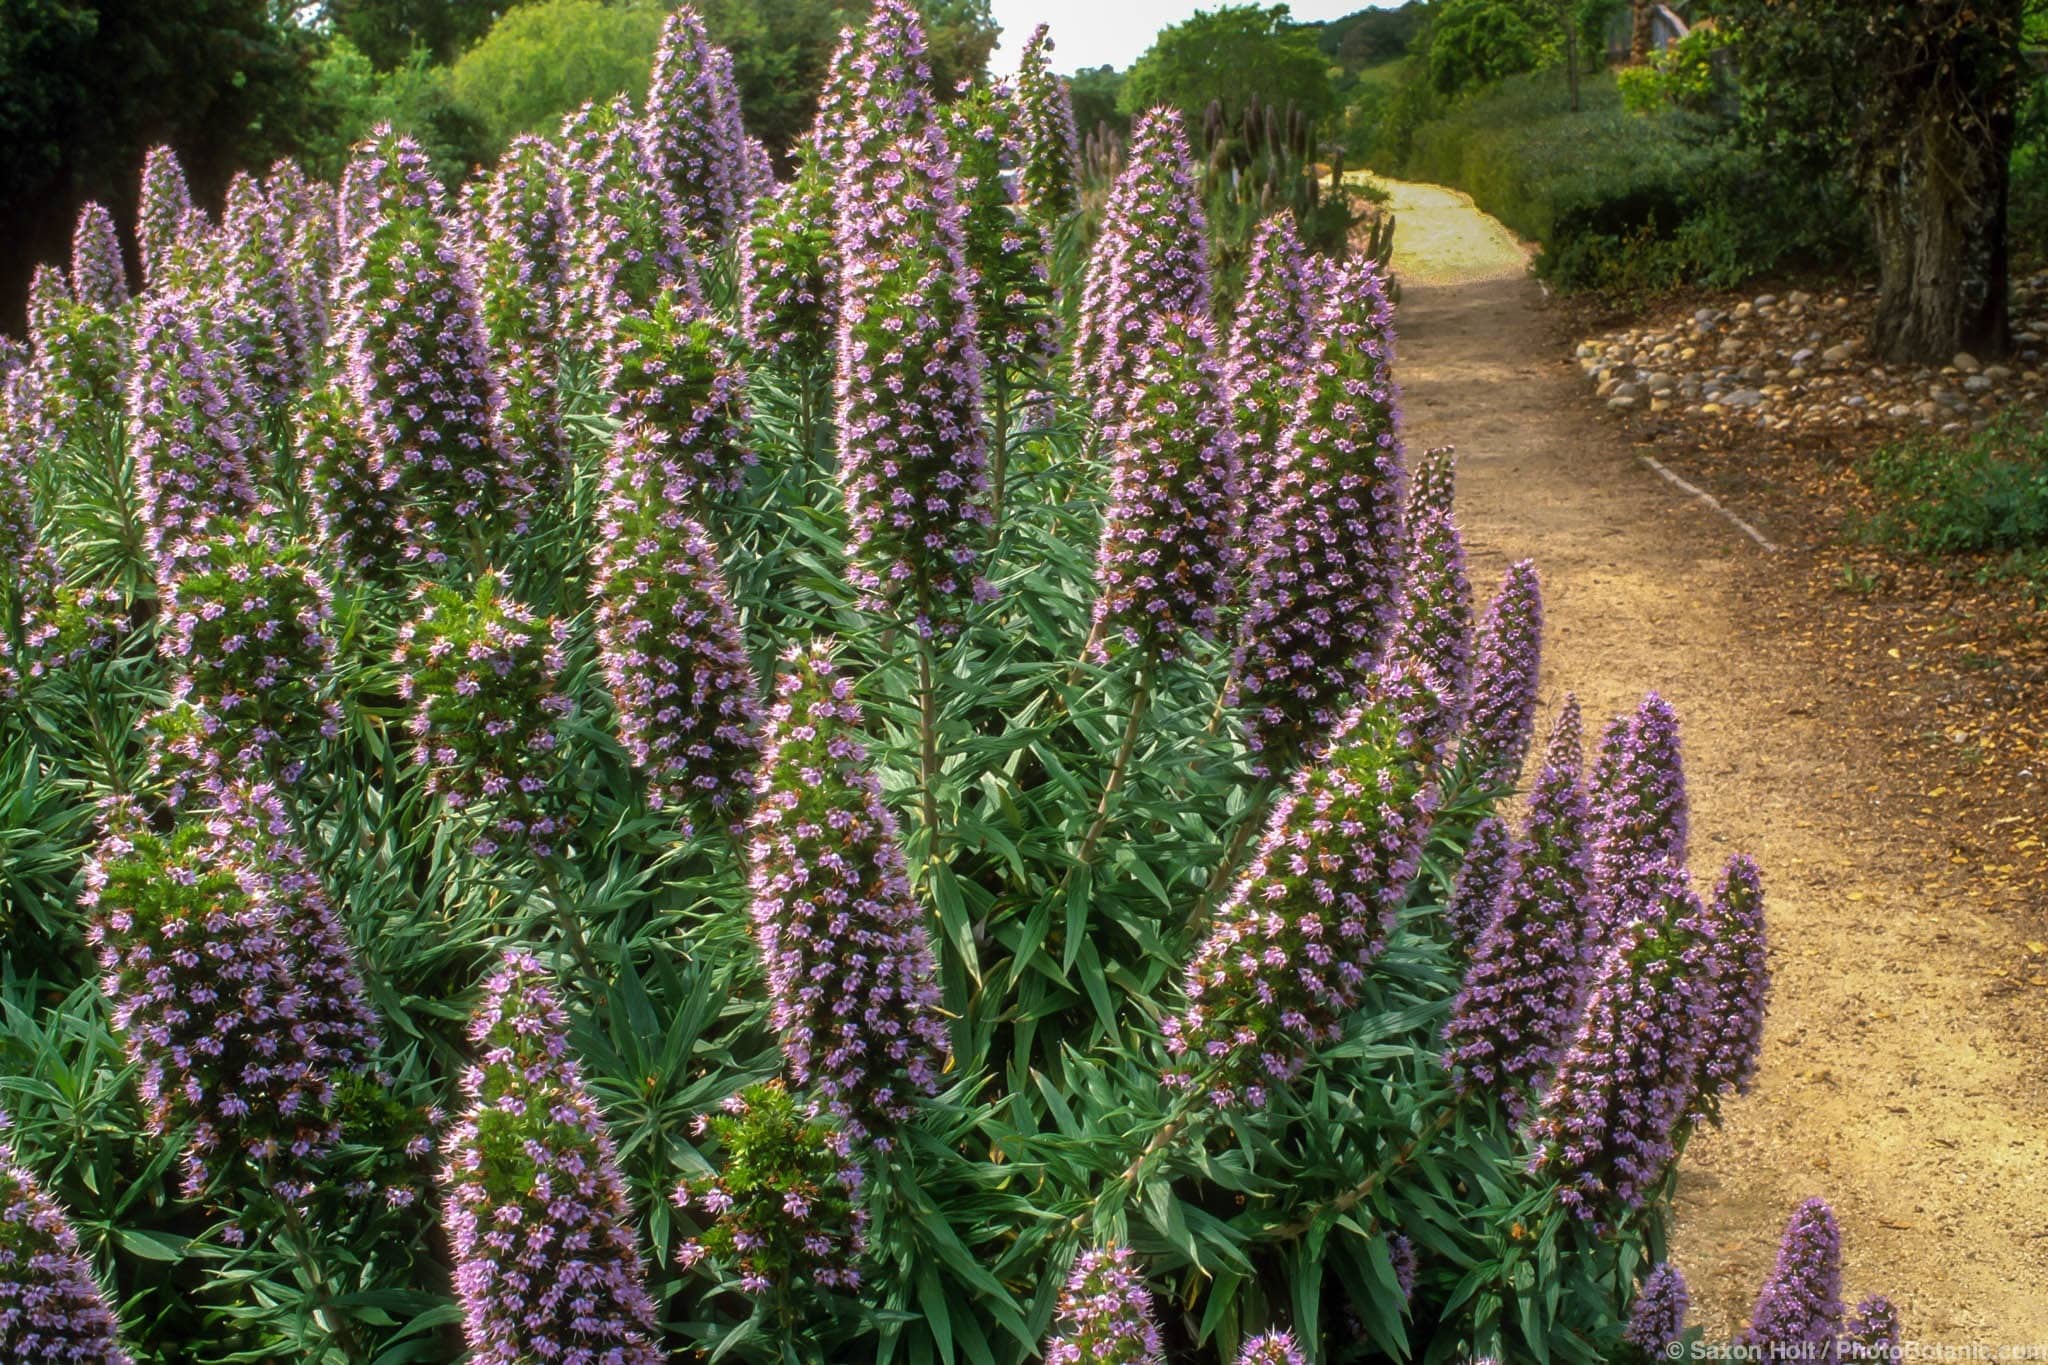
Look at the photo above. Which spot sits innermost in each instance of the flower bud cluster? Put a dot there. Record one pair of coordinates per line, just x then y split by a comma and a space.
1507, 655
1105, 1314
1049, 184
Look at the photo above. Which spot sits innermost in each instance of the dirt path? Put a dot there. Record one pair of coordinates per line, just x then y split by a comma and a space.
1893, 1083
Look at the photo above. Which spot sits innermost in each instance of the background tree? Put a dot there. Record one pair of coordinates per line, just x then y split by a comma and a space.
1477, 42
1098, 92
546, 58
389, 31
1918, 98
1232, 56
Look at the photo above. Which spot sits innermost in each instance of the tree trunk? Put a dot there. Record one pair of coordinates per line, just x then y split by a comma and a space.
1939, 210
1640, 36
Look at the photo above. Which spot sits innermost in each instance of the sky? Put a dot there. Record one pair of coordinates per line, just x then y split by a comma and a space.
1094, 32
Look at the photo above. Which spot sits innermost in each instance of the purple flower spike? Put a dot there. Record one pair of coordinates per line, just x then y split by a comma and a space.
255, 294
1733, 953
1434, 628
535, 1206
1656, 1321
693, 127
1639, 804
1049, 178
668, 636
191, 445
1270, 342
245, 634
305, 214
353, 513
628, 242
1800, 1306
519, 263
1271, 1348
1167, 553
1872, 1332
1522, 993
1285, 960
99, 277
1324, 586
913, 454
233, 990
1605, 1131
1151, 257
1507, 656
81, 357
675, 369
1006, 254
788, 270
1106, 1315
482, 673
164, 215
843, 938
1432, 483
833, 125
1476, 894
784, 1210
418, 365
51, 1307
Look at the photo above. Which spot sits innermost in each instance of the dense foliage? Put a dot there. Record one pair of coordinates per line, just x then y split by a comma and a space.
661, 866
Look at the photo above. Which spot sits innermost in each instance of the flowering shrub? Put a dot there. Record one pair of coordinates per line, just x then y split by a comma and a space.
1117, 929
51, 1309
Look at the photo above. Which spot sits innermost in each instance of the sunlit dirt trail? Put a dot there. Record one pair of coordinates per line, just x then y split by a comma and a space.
1893, 1084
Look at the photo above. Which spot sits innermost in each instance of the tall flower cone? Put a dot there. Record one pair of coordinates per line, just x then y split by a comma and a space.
1528, 977
1507, 658
1733, 953
1482, 877
675, 370
1270, 341
1800, 1306
629, 244
255, 294
536, 1211
1167, 554
789, 272
849, 959
1049, 185
51, 1308
1324, 586
1656, 1321
1434, 628
1151, 257
1285, 959
164, 215
1007, 255
520, 278
668, 636
693, 131
99, 276
1105, 1314
1639, 805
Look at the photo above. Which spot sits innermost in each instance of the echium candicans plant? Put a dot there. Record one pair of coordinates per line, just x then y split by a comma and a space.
189, 437
1434, 627
546, 1268
1528, 977
1105, 1314
482, 674
1606, 1130
81, 355
1732, 954
99, 277
1168, 553
51, 1307
1432, 483
627, 240
1007, 254
1871, 1333
305, 214
1284, 961
788, 270
913, 453
1270, 340
841, 934
693, 127
784, 1210
1324, 585
1271, 1348
28, 568
519, 261
1049, 185
1151, 257
239, 1029
1507, 656
674, 661
675, 368
246, 635
1656, 1320
1799, 1308
354, 515
1481, 877
255, 294
164, 215
418, 367
1639, 805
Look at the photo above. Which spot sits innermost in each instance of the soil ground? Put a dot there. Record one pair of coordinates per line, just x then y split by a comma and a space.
1903, 1078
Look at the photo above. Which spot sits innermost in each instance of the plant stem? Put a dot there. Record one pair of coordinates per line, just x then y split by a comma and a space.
928, 747
1140, 696
999, 458
1360, 1192
1250, 823
339, 1329
572, 931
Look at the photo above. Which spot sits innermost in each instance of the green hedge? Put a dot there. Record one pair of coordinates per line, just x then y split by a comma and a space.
1622, 202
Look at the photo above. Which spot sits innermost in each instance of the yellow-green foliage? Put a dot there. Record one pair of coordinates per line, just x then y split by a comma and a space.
543, 58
